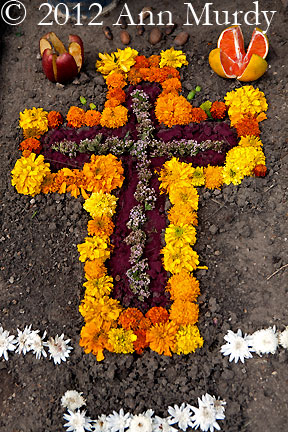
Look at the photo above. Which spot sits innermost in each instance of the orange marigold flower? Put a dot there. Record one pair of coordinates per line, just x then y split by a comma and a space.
30, 144
177, 215
247, 126
134, 76
92, 118
115, 80
47, 185
172, 109
157, 315
172, 84
141, 342
154, 60
183, 286
26, 154
112, 103
213, 177
94, 339
198, 115
55, 119
114, 117
103, 173
101, 226
116, 93
94, 269
76, 117
162, 337
130, 318
218, 110
167, 72
184, 312
145, 323
260, 170
141, 62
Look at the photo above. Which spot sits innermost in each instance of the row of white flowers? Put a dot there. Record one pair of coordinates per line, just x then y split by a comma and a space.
264, 341
185, 417
30, 340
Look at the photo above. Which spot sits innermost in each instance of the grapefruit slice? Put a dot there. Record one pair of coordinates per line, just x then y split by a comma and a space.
229, 59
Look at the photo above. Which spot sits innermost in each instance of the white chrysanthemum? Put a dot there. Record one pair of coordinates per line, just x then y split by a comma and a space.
237, 346
37, 344
7, 343
265, 341
205, 417
283, 338
181, 415
101, 425
140, 423
24, 340
58, 348
162, 425
217, 404
77, 421
118, 422
72, 400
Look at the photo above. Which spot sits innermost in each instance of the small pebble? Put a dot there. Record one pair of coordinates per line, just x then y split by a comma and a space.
181, 38
155, 36
125, 37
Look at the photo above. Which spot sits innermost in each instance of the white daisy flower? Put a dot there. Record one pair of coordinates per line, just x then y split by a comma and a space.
37, 344
283, 338
218, 404
118, 422
7, 343
140, 423
237, 347
264, 341
162, 425
205, 416
101, 425
181, 415
58, 348
77, 421
24, 340
72, 400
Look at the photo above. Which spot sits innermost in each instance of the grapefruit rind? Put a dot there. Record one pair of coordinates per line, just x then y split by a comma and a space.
258, 34
256, 67
215, 63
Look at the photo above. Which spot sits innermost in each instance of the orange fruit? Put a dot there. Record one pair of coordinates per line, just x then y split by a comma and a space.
229, 59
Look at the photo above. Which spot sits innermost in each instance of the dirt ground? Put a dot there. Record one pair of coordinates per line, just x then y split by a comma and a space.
242, 238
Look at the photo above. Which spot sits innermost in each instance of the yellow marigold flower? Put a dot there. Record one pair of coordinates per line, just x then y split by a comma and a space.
240, 162
179, 214
175, 173
126, 58
245, 101
100, 309
94, 248
180, 235
162, 337
102, 226
99, 287
34, 122
121, 340
184, 312
94, 338
184, 195
114, 117
100, 204
103, 173
183, 286
29, 173
177, 259
250, 141
94, 269
107, 64
198, 178
173, 58
188, 339
213, 177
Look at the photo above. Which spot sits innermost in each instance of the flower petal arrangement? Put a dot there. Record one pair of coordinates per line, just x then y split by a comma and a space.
146, 152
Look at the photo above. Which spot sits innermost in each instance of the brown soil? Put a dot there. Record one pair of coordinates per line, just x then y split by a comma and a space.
242, 238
